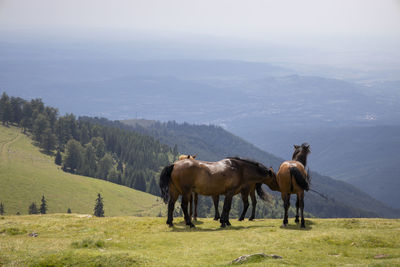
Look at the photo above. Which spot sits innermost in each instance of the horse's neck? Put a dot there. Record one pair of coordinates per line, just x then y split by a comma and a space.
302, 158
254, 176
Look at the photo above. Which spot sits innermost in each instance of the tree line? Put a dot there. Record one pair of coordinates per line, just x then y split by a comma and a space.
85, 147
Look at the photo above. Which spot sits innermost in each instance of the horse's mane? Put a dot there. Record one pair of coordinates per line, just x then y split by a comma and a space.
260, 166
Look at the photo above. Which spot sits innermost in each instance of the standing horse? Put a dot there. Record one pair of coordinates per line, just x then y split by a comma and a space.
293, 179
245, 192
194, 197
225, 177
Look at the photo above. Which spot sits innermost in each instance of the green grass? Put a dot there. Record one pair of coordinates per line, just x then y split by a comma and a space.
73, 240
26, 174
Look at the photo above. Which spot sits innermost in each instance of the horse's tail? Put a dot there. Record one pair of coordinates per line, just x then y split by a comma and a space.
261, 193
300, 179
165, 179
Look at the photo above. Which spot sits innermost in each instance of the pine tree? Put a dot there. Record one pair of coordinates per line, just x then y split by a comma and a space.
98, 208
58, 159
1, 208
48, 140
68, 210
33, 209
104, 166
73, 156
43, 206
89, 164
40, 124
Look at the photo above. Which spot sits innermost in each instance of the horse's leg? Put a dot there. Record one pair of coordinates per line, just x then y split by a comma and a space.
286, 205
301, 204
253, 203
184, 205
297, 209
216, 202
196, 198
173, 196
225, 211
245, 199
191, 205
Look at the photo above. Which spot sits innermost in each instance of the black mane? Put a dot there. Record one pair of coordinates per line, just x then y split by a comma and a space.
251, 162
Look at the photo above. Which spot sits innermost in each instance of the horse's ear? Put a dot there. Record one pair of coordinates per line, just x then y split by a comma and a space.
194, 156
296, 146
188, 156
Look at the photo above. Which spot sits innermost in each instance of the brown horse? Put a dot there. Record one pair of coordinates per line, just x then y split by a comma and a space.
225, 177
245, 192
293, 179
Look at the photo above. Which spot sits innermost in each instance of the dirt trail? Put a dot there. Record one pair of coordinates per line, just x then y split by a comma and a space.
5, 144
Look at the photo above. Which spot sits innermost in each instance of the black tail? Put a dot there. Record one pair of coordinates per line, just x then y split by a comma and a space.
300, 179
261, 193
165, 179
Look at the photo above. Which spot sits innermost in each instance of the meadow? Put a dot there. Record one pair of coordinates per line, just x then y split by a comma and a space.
83, 240
26, 174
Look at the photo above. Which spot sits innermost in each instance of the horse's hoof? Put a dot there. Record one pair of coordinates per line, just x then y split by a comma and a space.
223, 225
192, 225
251, 219
170, 224
216, 219
297, 220
228, 223
303, 225
241, 219
284, 225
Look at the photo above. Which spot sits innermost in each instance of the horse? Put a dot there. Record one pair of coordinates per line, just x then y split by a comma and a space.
288, 170
225, 177
194, 197
245, 192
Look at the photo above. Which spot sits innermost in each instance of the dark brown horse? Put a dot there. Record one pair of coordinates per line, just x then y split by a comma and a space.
225, 177
245, 192
293, 179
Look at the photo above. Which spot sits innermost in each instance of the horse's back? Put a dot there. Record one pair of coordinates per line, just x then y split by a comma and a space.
205, 178
284, 178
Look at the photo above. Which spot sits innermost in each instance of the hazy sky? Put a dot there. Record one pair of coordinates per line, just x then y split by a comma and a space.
233, 18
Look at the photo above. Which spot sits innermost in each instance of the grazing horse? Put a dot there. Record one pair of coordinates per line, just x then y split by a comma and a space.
225, 177
245, 192
293, 179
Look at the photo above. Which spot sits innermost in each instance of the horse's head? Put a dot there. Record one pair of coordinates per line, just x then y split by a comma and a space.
271, 180
300, 153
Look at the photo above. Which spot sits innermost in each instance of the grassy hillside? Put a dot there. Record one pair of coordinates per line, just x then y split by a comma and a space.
26, 174
73, 240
